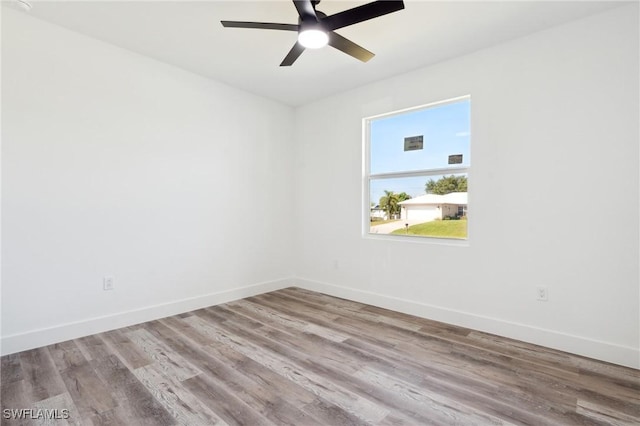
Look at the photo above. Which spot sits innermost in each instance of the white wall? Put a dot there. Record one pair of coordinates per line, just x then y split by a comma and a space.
554, 124
116, 164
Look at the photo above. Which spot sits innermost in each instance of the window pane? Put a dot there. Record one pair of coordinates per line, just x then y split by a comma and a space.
426, 206
445, 131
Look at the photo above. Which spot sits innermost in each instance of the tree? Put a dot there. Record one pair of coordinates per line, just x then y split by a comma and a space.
389, 202
446, 185
403, 196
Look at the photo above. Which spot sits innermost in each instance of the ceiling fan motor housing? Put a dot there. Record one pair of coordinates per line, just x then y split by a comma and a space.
312, 24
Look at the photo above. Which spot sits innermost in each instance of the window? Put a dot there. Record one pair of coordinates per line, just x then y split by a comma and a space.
416, 171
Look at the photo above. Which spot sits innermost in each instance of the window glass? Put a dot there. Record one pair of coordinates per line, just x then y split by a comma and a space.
407, 205
417, 178
444, 130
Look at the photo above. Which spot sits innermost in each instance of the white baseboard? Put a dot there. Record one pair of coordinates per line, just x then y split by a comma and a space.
604, 351
62, 332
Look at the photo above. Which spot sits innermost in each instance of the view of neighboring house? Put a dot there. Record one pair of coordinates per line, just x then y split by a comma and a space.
432, 206
378, 214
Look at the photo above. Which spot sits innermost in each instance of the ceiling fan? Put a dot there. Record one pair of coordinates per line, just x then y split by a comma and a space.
316, 29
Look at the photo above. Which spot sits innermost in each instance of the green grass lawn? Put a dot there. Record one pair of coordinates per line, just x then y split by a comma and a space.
437, 228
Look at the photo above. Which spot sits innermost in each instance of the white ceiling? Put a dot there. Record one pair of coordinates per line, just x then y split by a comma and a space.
188, 34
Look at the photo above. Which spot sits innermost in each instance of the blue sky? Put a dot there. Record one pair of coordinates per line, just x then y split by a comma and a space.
445, 131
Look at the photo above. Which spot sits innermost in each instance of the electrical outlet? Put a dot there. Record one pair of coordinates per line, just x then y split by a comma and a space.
542, 293
107, 283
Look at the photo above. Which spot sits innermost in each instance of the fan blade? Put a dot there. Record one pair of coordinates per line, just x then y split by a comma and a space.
259, 25
293, 54
305, 9
361, 13
349, 47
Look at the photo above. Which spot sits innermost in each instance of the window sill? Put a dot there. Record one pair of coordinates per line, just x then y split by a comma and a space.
454, 242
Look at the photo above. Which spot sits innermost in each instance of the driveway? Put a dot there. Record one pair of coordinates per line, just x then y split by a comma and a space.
387, 228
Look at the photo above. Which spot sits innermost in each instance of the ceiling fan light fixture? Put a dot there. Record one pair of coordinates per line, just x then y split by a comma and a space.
313, 38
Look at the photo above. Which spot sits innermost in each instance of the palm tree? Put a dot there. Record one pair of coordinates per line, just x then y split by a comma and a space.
389, 202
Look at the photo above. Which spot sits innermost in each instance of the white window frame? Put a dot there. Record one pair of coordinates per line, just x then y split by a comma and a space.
367, 177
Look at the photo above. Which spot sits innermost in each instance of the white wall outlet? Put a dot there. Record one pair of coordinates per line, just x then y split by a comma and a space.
107, 283
542, 293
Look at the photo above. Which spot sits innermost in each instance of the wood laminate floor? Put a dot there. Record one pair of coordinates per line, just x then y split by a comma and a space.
303, 358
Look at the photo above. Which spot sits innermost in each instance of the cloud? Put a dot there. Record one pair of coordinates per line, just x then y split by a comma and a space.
462, 134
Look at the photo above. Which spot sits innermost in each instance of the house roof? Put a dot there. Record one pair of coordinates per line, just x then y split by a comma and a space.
459, 198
